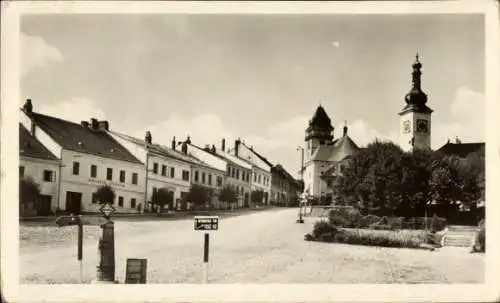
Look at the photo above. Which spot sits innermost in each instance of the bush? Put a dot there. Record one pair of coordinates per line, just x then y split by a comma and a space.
367, 221
385, 238
322, 227
337, 220
481, 239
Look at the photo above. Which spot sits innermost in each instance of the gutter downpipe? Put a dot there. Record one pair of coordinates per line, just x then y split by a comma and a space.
59, 181
146, 181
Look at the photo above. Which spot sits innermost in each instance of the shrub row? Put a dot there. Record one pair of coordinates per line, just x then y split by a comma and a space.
352, 218
326, 232
480, 240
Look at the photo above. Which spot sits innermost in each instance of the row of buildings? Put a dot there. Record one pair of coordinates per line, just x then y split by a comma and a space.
70, 161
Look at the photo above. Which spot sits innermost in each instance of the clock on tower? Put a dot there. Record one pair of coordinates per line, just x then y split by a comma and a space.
422, 126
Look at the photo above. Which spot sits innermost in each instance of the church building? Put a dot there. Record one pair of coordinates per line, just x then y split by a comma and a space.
324, 156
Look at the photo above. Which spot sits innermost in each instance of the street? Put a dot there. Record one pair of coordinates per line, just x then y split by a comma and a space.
262, 247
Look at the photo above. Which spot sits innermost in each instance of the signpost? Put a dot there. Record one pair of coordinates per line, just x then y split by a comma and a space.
79, 221
206, 224
136, 271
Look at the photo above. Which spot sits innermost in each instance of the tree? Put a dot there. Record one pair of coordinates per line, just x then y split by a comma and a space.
199, 195
372, 180
105, 194
257, 196
444, 181
228, 196
162, 197
29, 192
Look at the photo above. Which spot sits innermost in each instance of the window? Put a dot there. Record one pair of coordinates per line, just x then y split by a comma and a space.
195, 176
93, 171
254, 177
134, 178
258, 179
132, 203
237, 174
155, 168
243, 175
48, 176
154, 190
76, 168
219, 181
209, 179
185, 175
122, 176
21, 171
232, 172
248, 177
163, 170
241, 190
109, 174
172, 172
203, 177
228, 170
94, 199
120, 201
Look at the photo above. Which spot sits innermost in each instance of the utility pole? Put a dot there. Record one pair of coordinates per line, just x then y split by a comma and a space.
301, 220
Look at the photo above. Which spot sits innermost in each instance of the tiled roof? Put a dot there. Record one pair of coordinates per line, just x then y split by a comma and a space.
29, 146
282, 171
258, 155
337, 151
163, 150
462, 149
77, 138
234, 159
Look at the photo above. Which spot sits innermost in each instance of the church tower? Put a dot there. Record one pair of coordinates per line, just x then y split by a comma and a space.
319, 132
415, 118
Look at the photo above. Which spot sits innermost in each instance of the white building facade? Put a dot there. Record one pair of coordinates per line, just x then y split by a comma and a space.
41, 166
89, 158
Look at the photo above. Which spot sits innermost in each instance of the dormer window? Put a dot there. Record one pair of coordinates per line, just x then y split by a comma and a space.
81, 144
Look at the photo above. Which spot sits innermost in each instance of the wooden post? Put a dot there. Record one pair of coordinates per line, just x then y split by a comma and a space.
80, 246
205, 258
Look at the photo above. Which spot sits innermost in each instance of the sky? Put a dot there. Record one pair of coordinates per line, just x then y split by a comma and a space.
257, 77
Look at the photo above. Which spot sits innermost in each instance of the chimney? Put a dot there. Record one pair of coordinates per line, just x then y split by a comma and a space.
28, 106
237, 143
188, 141
148, 137
85, 124
103, 125
223, 146
184, 147
173, 143
457, 141
207, 147
94, 124
213, 149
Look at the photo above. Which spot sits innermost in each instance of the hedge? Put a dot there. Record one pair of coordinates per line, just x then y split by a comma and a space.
325, 232
352, 218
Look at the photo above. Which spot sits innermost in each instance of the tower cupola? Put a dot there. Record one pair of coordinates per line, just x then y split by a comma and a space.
320, 126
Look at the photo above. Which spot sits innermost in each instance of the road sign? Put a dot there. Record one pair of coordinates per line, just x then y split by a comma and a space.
107, 210
206, 223
136, 271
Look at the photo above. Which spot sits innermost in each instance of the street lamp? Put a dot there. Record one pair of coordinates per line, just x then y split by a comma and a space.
301, 220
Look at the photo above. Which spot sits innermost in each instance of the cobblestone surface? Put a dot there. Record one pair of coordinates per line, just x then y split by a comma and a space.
264, 247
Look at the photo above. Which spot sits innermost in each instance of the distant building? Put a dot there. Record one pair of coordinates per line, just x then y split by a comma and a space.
165, 168
261, 168
238, 173
284, 188
463, 150
415, 118
206, 169
43, 167
324, 156
90, 158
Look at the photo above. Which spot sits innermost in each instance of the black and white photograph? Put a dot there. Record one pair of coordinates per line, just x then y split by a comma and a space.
294, 144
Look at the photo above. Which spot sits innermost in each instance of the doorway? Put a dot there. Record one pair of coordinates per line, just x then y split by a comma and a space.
73, 202
44, 205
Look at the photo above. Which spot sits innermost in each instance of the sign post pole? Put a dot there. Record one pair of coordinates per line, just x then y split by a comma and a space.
205, 258
206, 224
80, 246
